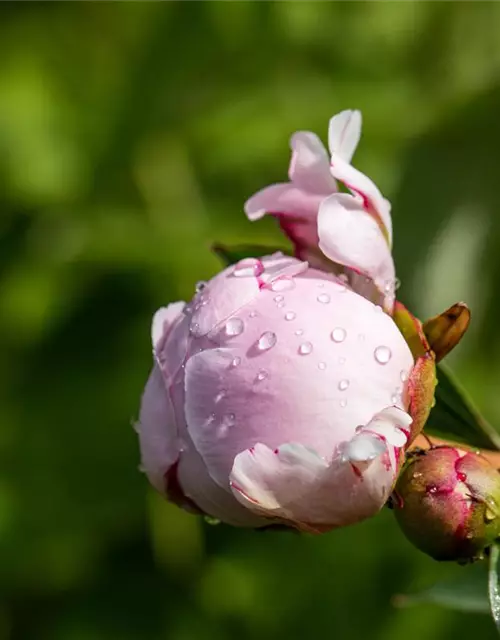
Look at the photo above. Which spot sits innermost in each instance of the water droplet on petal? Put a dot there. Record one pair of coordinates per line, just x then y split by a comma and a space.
343, 403
200, 286
211, 419
229, 419
324, 298
321, 285
305, 348
283, 284
262, 375
248, 267
278, 298
338, 334
220, 395
403, 376
341, 360
322, 366
290, 315
382, 354
267, 341
343, 385
194, 329
281, 304
395, 399
235, 361
432, 489
299, 332
234, 326
252, 314
397, 284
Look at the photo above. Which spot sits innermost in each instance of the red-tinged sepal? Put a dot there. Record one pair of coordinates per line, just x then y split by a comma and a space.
412, 330
420, 390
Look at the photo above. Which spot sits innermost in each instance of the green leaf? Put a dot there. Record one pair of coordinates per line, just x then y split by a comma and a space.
467, 591
230, 255
493, 590
455, 417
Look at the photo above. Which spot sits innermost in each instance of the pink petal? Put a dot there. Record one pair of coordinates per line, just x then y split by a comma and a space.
295, 484
316, 397
309, 166
350, 236
358, 183
284, 199
157, 430
344, 133
228, 291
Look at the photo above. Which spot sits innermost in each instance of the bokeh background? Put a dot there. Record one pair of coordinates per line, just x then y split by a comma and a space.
130, 136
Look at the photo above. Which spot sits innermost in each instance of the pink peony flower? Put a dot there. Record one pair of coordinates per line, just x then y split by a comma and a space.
278, 395
353, 231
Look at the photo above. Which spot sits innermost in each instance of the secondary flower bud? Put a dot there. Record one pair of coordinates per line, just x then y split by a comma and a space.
447, 502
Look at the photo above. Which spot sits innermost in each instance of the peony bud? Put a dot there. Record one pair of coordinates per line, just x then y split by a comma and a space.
447, 503
278, 395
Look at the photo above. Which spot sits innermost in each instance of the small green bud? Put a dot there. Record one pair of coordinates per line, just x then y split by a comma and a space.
447, 502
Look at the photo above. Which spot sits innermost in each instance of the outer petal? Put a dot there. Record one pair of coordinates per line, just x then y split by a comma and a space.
285, 199
208, 496
229, 291
357, 182
310, 167
349, 236
157, 429
344, 133
295, 484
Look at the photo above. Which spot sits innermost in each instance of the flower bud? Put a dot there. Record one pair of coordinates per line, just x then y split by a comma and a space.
447, 503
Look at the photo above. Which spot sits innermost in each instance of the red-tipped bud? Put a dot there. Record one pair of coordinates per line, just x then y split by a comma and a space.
447, 502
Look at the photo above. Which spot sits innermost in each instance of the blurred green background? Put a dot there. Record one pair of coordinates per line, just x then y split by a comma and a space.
130, 136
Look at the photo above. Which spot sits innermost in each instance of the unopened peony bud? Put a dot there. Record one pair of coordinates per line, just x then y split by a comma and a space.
447, 502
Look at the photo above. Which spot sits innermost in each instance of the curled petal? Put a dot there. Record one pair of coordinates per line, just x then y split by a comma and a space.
348, 235
295, 484
358, 183
284, 199
344, 133
309, 166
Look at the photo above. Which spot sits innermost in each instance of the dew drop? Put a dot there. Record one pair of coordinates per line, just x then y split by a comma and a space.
321, 366
283, 284
229, 419
338, 334
403, 376
281, 305
343, 385
489, 515
305, 348
194, 329
252, 314
395, 399
200, 286
220, 395
382, 354
234, 327
321, 285
299, 332
324, 298
267, 340
211, 419
432, 489
341, 361
262, 375
236, 361
461, 476
290, 315
278, 298
248, 267
343, 403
